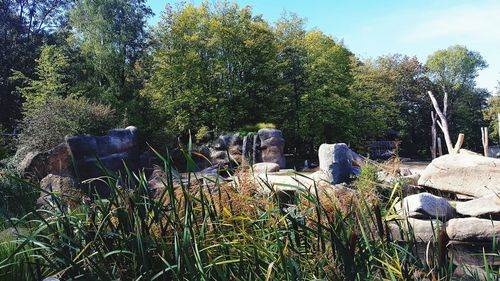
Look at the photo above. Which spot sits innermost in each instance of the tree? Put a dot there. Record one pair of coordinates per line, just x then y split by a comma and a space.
326, 112
407, 77
454, 70
52, 76
24, 27
110, 35
491, 116
374, 95
292, 59
217, 61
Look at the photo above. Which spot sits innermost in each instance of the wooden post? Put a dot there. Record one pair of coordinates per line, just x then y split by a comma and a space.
440, 148
459, 143
498, 116
433, 135
484, 138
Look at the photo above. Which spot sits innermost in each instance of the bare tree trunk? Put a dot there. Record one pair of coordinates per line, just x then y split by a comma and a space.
443, 123
459, 143
433, 134
484, 138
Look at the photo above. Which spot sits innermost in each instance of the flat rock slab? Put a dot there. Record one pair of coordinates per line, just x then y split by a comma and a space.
484, 206
473, 229
266, 167
463, 173
423, 230
427, 206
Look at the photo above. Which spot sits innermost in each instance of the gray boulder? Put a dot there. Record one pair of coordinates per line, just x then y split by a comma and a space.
485, 206
335, 160
463, 173
423, 230
427, 206
272, 145
473, 229
265, 167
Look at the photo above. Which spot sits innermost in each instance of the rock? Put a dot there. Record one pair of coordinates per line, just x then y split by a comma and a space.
423, 230
113, 152
484, 206
473, 229
54, 161
427, 206
463, 173
226, 148
464, 197
272, 145
57, 183
65, 188
472, 253
266, 167
335, 160
320, 176
412, 179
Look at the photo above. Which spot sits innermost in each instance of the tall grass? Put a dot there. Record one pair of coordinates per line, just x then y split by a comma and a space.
231, 232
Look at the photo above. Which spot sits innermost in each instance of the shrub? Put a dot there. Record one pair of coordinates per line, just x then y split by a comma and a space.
254, 128
16, 197
47, 125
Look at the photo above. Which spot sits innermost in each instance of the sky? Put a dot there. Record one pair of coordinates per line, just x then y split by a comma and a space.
371, 28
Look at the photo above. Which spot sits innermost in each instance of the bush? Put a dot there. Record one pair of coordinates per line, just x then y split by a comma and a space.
254, 128
17, 197
46, 126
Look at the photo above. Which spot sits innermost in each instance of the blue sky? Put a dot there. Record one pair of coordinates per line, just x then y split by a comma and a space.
371, 28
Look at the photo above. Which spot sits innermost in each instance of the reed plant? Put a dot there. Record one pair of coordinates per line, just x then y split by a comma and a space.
189, 230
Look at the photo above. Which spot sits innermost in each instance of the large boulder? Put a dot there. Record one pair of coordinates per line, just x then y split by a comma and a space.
487, 206
427, 206
335, 160
473, 229
226, 148
272, 145
115, 152
463, 173
54, 161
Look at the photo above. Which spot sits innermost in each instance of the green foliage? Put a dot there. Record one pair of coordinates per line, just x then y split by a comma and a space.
255, 128
52, 77
491, 116
110, 38
455, 67
16, 197
216, 61
25, 27
46, 126
374, 92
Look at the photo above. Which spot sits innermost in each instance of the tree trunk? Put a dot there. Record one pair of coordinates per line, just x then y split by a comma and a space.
433, 135
484, 138
443, 123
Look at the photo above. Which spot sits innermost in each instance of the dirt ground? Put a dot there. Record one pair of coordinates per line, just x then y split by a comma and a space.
414, 166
